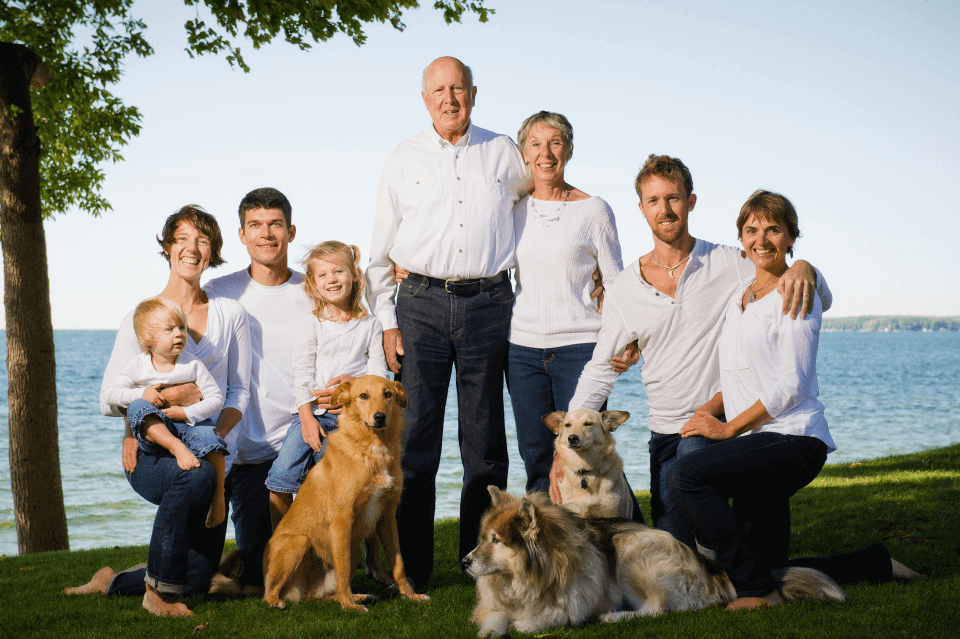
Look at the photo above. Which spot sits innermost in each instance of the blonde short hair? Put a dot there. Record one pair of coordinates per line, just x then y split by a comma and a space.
148, 317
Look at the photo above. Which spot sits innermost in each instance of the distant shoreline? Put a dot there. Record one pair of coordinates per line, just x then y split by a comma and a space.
891, 323
858, 323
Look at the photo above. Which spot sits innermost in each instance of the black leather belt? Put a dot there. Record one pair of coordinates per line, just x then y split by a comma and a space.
464, 288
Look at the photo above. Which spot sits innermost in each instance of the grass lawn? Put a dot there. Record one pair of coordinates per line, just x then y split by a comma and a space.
910, 502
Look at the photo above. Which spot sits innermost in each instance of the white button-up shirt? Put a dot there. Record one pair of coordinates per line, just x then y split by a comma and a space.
444, 210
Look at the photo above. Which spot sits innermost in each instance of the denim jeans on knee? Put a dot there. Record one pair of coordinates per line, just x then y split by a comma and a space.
200, 439
184, 553
441, 331
761, 469
296, 458
665, 449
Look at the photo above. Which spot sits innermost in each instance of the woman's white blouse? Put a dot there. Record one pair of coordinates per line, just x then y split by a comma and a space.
766, 355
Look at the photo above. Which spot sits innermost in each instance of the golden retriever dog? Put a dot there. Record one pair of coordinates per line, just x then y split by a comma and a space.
593, 484
538, 565
351, 494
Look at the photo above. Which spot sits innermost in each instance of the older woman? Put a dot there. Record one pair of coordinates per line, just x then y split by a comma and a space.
563, 236
183, 553
777, 439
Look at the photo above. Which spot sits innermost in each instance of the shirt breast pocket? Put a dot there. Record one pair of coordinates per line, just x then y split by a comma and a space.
492, 200
420, 193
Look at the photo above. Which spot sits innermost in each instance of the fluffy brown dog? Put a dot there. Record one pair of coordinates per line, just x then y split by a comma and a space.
593, 484
352, 492
538, 565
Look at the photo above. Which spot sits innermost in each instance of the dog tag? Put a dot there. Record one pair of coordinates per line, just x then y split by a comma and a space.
583, 482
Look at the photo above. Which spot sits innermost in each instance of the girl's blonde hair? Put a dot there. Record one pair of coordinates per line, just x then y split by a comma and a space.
149, 317
350, 256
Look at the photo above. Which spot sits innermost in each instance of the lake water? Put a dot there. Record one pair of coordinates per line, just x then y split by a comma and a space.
885, 393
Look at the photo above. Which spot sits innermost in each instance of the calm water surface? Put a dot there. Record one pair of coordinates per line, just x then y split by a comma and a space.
885, 393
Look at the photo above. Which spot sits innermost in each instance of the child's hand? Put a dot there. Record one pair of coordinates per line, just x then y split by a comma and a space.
324, 394
312, 433
176, 413
152, 395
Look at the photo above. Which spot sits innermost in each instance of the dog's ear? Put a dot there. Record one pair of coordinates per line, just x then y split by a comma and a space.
496, 495
554, 421
400, 394
529, 519
341, 394
613, 418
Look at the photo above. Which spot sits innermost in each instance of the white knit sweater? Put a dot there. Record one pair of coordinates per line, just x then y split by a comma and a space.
559, 245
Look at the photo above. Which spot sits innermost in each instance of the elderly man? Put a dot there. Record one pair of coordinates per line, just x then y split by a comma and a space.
444, 214
671, 301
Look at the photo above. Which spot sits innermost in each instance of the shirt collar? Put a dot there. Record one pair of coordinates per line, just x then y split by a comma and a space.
443, 143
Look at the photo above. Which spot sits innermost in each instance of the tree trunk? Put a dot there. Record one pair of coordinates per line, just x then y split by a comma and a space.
31, 368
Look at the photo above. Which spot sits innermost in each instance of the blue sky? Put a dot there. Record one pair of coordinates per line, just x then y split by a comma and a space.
849, 109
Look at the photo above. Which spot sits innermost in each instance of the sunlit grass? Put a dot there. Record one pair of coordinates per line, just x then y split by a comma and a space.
910, 502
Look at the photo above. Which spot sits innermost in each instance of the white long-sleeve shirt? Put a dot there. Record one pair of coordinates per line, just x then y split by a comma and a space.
765, 355
559, 246
327, 349
139, 373
443, 210
677, 336
224, 349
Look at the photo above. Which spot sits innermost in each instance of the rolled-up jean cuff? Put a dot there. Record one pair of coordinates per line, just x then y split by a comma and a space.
163, 587
110, 588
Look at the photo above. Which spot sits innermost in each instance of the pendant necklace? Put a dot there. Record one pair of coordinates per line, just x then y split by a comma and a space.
544, 218
670, 269
753, 294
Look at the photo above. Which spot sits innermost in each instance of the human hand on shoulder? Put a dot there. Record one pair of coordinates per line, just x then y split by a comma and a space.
797, 286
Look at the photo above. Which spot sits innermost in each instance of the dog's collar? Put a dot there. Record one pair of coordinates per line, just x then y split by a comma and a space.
583, 472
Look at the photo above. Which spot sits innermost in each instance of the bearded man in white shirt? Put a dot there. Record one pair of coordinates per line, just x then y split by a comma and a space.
671, 301
444, 214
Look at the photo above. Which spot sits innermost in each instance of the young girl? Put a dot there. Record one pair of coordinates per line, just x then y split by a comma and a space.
186, 433
339, 342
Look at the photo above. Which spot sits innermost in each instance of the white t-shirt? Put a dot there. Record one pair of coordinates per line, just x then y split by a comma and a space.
327, 349
766, 355
127, 385
273, 312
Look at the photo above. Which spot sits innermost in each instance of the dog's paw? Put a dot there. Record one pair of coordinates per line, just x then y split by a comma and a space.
279, 604
417, 597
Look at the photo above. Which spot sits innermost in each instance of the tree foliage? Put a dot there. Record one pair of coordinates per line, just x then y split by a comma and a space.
83, 43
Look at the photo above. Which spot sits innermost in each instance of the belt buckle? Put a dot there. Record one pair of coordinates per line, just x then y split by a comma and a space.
446, 284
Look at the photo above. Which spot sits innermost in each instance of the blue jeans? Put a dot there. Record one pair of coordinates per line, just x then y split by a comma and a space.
247, 493
665, 450
296, 458
441, 330
200, 439
541, 381
184, 554
759, 473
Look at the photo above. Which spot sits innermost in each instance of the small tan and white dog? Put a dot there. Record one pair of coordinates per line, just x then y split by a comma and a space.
538, 565
593, 484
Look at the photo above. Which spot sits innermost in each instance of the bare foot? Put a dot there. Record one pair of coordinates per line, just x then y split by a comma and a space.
185, 459
164, 605
902, 572
756, 603
97, 584
217, 512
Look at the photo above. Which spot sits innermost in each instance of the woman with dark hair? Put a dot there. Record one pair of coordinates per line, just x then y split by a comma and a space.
184, 553
777, 439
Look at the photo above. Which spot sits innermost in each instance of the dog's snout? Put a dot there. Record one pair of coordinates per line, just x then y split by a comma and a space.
573, 440
380, 419
465, 562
